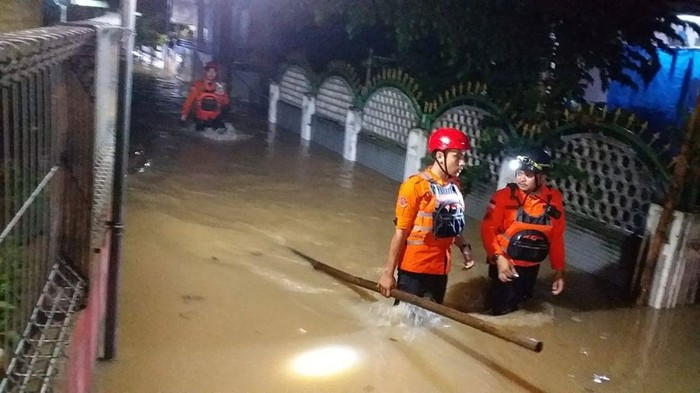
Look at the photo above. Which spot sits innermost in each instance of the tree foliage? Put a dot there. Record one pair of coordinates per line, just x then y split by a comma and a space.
150, 31
511, 44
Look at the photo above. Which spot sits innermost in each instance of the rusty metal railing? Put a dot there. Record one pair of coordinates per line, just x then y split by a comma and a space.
46, 167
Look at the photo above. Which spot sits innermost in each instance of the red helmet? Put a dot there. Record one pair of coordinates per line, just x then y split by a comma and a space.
447, 138
210, 65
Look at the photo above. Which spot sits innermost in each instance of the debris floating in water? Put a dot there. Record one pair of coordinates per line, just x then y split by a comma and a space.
597, 378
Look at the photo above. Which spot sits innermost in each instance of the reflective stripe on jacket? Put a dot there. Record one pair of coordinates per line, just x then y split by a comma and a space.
423, 253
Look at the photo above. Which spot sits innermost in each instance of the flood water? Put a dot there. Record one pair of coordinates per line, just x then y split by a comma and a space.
215, 297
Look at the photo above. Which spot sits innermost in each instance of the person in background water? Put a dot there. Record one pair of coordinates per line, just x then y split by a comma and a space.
208, 100
524, 224
429, 219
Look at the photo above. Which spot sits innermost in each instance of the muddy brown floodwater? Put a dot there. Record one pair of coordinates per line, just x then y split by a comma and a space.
214, 300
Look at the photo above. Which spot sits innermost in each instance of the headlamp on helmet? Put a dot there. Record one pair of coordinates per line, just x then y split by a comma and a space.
528, 163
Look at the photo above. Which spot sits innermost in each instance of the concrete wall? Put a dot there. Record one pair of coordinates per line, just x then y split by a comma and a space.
86, 340
85, 343
288, 117
382, 156
328, 134
604, 248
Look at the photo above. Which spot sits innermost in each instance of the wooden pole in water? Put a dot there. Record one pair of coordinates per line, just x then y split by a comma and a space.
461, 317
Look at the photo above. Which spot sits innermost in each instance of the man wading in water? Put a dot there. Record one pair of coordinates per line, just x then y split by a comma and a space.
524, 224
429, 219
208, 100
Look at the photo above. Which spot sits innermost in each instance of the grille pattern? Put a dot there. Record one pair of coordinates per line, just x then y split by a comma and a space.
39, 354
619, 186
334, 99
293, 85
102, 197
390, 113
468, 119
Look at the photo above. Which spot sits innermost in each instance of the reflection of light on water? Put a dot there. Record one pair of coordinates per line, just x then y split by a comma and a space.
597, 378
271, 136
324, 361
345, 174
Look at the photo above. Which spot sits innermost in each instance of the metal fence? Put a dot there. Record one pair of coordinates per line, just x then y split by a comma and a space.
46, 166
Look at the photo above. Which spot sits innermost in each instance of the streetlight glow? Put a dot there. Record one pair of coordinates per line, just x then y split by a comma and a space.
324, 361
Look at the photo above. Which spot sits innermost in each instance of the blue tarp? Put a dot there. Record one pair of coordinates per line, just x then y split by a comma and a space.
670, 96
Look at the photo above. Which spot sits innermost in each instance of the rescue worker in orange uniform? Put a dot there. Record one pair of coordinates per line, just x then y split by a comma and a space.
429, 219
523, 225
208, 99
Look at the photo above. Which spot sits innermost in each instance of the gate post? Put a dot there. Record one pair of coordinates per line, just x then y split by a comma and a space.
677, 275
353, 126
416, 147
274, 98
308, 108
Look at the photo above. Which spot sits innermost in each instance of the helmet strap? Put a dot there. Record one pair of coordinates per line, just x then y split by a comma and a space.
443, 165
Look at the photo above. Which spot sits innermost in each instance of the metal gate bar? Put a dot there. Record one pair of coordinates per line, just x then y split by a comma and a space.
45, 338
47, 168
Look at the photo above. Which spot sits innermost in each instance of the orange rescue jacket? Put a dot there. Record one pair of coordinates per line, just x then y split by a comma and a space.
423, 252
204, 90
500, 223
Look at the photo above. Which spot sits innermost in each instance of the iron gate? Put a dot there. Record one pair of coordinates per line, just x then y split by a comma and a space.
47, 201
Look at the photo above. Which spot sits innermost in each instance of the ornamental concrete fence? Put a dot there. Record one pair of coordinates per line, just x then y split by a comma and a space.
385, 124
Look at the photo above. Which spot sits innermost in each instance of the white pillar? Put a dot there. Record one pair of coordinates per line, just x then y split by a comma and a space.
308, 108
416, 150
274, 98
353, 126
677, 260
271, 139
